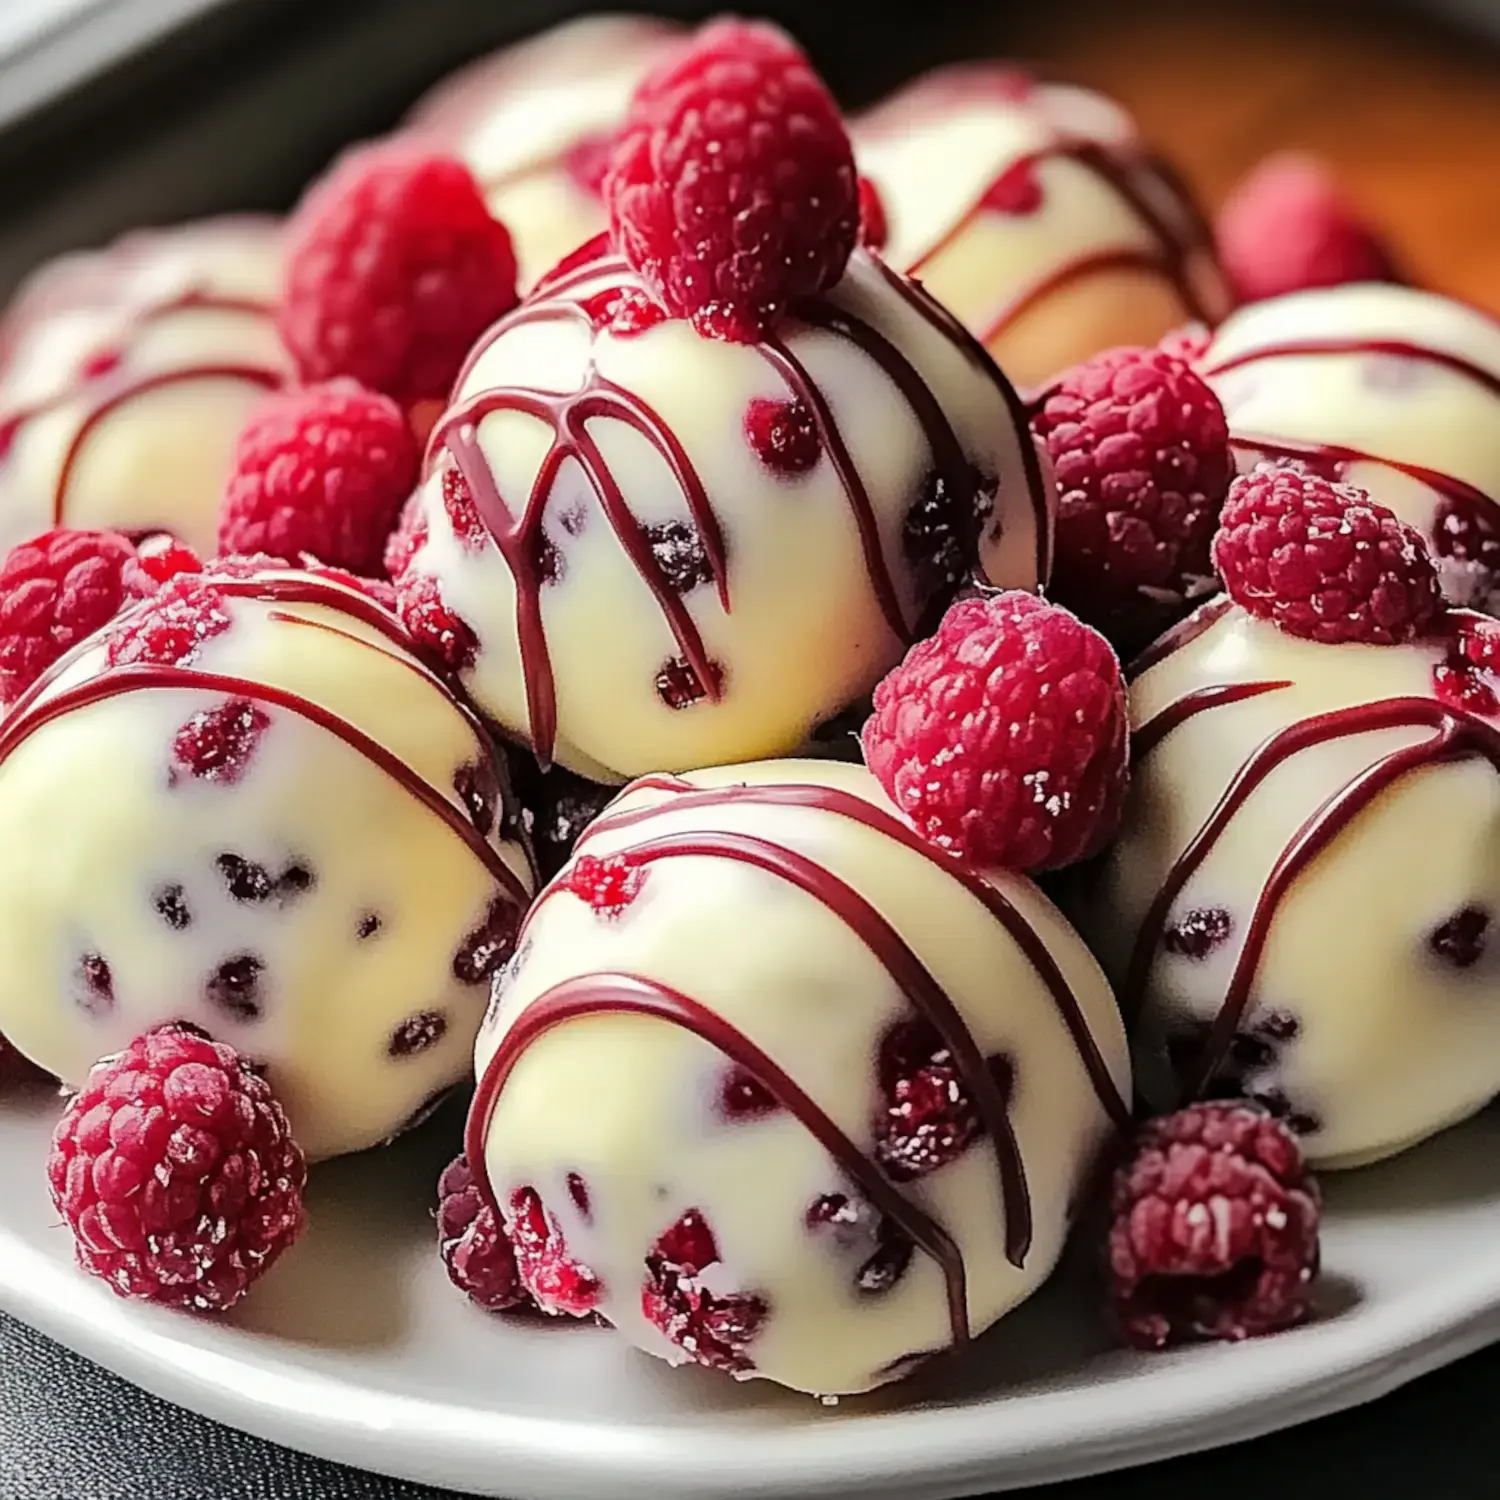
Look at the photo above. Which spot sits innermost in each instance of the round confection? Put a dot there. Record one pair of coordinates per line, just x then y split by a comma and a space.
126, 375
292, 837
1036, 213
663, 551
1301, 904
534, 122
844, 1094
1395, 390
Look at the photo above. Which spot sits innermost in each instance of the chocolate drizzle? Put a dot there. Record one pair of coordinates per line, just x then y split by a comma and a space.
1388, 348
1145, 739
1182, 634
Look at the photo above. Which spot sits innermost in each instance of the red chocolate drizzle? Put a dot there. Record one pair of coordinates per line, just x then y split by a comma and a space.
1388, 348
568, 415
1145, 739
1182, 634
616, 994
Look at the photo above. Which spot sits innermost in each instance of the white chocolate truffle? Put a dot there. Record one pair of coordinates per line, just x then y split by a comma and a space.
293, 837
684, 552
760, 1045
126, 375
1038, 216
1393, 389
1304, 890
534, 121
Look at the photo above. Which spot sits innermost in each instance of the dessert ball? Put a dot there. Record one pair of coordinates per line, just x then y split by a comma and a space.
1393, 389
126, 375
645, 549
1301, 905
246, 806
1036, 213
843, 1092
534, 123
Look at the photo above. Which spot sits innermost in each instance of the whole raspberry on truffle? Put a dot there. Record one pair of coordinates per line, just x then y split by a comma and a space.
1140, 447
1323, 561
1215, 1228
1004, 737
54, 591
732, 188
474, 1247
1287, 228
393, 268
158, 560
320, 471
176, 1171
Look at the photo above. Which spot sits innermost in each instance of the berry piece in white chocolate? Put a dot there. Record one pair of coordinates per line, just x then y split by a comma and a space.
644, 549
247, 806
1302, 903
126, 375
535, 123
1036, 213
844, 1092
1392, 389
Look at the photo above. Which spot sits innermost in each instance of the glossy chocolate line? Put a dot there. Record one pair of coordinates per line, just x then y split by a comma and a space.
119, 681
628, 994
1145, 739
846, 805
1393, 348
1081, 268
1182, 634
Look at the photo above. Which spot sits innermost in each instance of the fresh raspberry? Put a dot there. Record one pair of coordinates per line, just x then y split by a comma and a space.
169, 628
1323, 561
1469, 676
732, 190
1287, 228
446, 638
217, 744
176, 1171
608, 884
321, 471
1003, 737
559, 1283
1215, 1228
1141, 450
408, 539
54, 591
783, 435
158, 560
474, 1248
257, 565
711, 1326
394, 267
874, 226
463, 515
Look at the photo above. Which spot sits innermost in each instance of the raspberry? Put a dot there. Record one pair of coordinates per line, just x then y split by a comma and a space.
474, 1248
711, 1327
447, 639
55, 591
176, 1171
874, 227
408, 539
1287, 228
1461, 940
783, 435
1215, 1228
1468, 677
463, 516
1323, 561
608, 884
320, 471
170, 627
158, 560
1141, 450
732, 189
486, 948
559, 1283
217, 744
1003, 737
394, 267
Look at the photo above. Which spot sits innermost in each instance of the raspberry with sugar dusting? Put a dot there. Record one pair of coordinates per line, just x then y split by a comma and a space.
442, 635
393, 268
1323, 561
1215, 1228
559, 1283
474, 1247
607, 883
1003, 737
732, 189
158, 560
320, 471
177, 1173
171, 626
1140, 447
54, 591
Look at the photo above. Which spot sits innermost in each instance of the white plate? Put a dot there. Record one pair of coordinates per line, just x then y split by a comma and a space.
356, 1349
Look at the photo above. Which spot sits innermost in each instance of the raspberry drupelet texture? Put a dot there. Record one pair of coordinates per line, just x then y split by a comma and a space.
394, 267
444, 637
473, 1245
1003, 737
168, 628
320, 471
55, 591
732, 189
176, 1171
1323, 561
158, 560
1215, 1228
557, 1282
1140, 447
1287, 228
